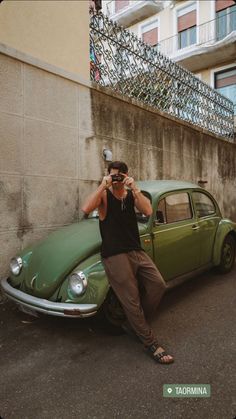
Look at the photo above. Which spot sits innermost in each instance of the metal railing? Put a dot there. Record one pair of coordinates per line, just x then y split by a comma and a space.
121, 61
206, 34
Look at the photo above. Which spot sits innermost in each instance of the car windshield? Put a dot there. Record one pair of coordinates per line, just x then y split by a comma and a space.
142, 218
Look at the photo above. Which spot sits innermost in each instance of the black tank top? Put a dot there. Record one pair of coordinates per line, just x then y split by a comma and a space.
119, 230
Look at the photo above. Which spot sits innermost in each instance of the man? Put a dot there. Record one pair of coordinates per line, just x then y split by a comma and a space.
124, 260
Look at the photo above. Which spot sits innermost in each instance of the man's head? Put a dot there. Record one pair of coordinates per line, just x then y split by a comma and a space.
115, 168
119, 166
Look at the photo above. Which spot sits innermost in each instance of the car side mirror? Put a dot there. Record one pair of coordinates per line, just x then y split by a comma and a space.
159, 218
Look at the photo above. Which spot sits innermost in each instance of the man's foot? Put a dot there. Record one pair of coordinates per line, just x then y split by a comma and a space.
159, 355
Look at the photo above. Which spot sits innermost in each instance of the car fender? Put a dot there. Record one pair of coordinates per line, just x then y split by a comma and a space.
98, 284
224, 228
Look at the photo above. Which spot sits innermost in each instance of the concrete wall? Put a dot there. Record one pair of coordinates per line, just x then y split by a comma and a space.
43, 117
56, 32
157, 146
52, 134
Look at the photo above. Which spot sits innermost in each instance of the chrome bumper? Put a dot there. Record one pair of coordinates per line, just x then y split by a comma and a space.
45, 306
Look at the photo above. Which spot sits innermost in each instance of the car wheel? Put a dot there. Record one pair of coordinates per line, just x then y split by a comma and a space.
111, 315
227, 255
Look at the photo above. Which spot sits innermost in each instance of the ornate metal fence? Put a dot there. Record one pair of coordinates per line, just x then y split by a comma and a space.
121, 61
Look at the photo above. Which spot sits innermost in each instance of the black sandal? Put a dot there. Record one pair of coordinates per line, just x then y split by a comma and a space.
158, 357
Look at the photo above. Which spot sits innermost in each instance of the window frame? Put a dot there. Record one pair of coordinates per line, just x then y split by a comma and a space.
177, 10
166, 223
222, 70
228, 13
150, 23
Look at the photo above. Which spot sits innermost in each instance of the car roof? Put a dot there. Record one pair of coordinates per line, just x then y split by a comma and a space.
158, 187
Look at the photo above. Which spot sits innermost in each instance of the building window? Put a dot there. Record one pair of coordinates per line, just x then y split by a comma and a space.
120, 4
225, 18
149, 33
225, 83
187, 34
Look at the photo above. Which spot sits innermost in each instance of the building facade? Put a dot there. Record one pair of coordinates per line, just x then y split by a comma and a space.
52, 32
199, 35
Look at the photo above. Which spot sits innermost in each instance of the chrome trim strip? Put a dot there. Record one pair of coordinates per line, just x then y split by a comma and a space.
180, 226
174, 228
144, 235
46, 306
199, 220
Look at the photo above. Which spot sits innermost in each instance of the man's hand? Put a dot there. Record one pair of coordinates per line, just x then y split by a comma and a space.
142, 203
107, 181
129, 181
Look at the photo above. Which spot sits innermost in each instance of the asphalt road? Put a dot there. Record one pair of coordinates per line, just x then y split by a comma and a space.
65, 368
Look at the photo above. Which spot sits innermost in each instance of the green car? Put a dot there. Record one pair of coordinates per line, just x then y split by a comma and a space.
63, 275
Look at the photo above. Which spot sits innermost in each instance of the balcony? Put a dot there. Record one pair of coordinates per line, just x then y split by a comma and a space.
214, 44
130, 12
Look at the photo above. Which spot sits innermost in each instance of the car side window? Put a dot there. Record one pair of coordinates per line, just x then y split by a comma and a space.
178, 207
173, 208
203, 204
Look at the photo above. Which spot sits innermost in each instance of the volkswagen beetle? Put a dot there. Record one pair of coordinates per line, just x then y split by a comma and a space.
63, 275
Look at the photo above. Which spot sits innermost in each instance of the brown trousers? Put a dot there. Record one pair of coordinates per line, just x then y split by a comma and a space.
127, 273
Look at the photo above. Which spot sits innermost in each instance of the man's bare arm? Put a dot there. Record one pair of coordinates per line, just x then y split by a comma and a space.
95, 199
141, 202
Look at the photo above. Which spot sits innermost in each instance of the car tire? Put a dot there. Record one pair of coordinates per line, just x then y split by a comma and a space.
111, 316
228, 251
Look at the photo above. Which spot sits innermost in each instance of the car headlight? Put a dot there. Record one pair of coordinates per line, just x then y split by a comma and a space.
16, 265
77, 283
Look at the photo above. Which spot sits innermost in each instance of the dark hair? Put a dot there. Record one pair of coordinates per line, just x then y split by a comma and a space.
120, 165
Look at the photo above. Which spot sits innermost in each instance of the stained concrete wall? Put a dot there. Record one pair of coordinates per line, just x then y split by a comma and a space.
43, 118
52, 134
157, 146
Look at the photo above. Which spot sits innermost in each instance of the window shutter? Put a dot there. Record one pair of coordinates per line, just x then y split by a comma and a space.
150, 37
120, 4
187, 21
225, 79
223, 4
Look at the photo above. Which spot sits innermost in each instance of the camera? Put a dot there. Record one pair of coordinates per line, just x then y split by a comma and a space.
117, 177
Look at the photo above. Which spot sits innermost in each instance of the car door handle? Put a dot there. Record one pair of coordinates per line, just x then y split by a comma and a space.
195, 227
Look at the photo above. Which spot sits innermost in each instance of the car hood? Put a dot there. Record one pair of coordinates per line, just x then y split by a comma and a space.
48, 262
